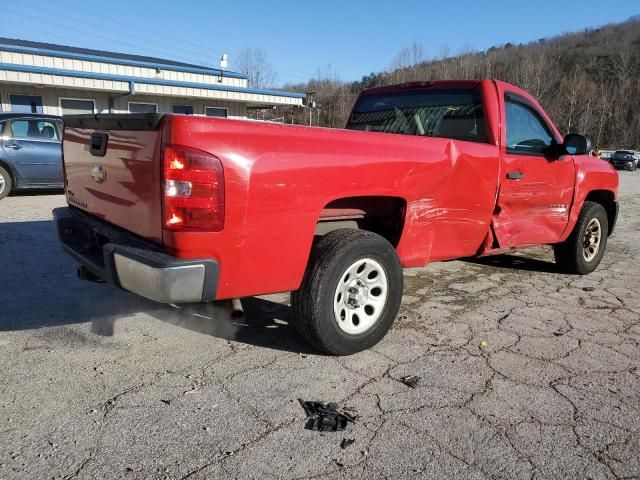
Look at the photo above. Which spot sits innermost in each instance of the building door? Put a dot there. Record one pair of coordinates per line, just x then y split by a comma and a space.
183, 109
26, 103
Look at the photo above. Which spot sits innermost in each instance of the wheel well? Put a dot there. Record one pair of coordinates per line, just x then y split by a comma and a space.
607, 200
378, 214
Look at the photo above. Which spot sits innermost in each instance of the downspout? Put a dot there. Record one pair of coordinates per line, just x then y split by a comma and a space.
131, 92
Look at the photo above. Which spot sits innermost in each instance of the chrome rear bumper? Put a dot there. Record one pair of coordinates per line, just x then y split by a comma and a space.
133, 264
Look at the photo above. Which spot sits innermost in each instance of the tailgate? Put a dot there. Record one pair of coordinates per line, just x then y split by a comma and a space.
112, 169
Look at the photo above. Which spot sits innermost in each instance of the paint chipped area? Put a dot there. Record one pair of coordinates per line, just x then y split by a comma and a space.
425, 210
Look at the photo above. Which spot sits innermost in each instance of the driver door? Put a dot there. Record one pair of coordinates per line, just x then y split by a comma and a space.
536, 188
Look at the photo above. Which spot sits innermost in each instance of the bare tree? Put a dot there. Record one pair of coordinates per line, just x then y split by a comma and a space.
254, 64
403, 66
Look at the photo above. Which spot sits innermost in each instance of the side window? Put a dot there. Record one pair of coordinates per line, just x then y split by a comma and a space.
34, 130
527, 133
20, 129
48, 131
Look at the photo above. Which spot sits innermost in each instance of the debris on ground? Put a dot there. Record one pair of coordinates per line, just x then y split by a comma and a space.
325, 417
163, 400
346, 442
484, 344
561, 331
410, 380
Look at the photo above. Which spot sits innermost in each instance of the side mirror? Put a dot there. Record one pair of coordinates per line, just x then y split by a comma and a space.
575, 144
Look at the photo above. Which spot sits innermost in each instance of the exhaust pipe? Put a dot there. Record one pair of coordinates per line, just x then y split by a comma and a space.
236, 308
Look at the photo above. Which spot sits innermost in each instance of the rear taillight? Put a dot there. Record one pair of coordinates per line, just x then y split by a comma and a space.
193, 190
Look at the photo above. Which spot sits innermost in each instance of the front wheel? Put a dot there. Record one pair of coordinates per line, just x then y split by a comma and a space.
350, 294
582, 251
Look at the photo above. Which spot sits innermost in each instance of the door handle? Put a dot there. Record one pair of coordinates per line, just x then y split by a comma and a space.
515, 175
15, 146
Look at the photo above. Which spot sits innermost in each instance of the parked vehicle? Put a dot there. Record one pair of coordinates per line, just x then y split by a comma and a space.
30, 152
627, 159
184, 209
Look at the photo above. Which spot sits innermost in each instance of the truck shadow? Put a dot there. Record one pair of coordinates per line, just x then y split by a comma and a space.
39, 288
264, 323
515, 262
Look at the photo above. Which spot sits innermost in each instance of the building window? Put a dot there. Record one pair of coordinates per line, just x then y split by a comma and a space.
216, 112
26, 103
183, 109
76, 106
140, 107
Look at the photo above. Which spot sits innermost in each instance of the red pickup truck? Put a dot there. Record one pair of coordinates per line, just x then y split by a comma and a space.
183, 209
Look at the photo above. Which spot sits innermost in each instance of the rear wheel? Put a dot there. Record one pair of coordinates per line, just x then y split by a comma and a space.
350, 294
5, 183
582, 251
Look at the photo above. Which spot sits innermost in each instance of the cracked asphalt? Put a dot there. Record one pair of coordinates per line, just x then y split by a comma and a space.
525, 373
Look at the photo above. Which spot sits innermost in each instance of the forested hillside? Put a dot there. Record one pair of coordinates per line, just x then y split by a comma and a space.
588, 81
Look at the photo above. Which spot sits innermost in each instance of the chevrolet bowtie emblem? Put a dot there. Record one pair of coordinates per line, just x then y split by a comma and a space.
98, 173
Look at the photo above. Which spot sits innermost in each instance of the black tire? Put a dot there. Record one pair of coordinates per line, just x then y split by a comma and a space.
313, 304
570, 255
6, 183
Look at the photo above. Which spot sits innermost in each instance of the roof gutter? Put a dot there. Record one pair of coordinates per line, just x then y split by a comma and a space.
130, 93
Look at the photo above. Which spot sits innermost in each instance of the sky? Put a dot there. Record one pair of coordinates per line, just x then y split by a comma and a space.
351, 37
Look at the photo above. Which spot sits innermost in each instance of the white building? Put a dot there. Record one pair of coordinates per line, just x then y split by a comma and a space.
54, 79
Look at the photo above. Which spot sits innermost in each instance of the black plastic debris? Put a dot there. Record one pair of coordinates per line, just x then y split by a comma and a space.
346, 442
410, 380
325, 417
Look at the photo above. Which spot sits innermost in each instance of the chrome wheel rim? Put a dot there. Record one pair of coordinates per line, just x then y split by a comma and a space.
592, 238
3, 184
360, 296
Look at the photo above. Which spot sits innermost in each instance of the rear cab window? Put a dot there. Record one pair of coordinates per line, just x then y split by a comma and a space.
456, 114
